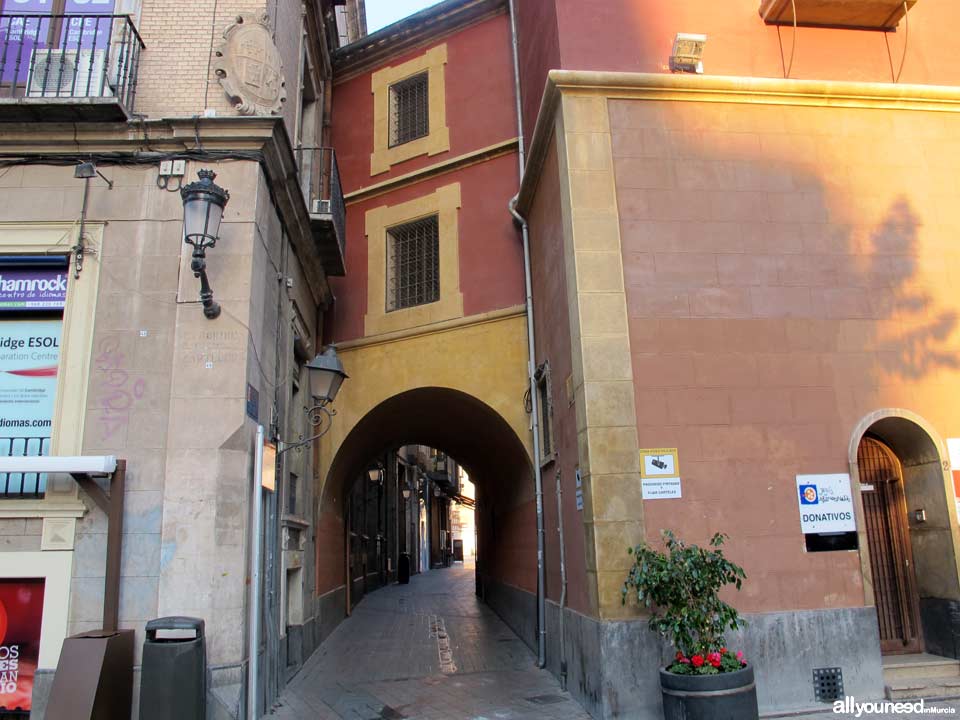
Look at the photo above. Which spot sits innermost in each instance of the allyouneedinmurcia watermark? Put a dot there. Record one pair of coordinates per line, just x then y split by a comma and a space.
849, 706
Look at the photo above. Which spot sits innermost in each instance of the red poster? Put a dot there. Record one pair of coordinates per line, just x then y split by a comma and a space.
21, 612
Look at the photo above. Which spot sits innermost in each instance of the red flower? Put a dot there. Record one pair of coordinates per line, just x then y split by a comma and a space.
714, 659
723, 651
740, 657
697, 660
679, 656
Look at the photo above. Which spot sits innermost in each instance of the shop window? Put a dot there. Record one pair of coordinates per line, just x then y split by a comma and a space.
545, 408
409, 109
413, 264
52, 31
32, 297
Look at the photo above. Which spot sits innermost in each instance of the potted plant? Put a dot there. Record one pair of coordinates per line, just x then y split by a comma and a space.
681, 587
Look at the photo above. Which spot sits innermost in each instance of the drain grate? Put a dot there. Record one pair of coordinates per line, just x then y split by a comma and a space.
828, 684
546, 699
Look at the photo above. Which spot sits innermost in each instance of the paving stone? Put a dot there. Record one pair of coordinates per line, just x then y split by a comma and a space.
429, 650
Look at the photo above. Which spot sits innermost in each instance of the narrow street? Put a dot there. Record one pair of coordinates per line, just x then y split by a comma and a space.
427, 650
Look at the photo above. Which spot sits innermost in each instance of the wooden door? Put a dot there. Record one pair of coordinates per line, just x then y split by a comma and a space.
888, 538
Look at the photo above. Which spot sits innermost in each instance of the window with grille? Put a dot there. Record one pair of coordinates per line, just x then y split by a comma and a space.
413, 264
409, 110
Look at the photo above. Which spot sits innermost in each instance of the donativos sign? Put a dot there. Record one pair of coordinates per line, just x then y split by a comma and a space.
826, 503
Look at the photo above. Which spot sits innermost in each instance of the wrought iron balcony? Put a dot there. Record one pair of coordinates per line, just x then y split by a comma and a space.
68, 67
320, 181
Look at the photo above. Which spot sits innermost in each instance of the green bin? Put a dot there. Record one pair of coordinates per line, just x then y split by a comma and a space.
173, 678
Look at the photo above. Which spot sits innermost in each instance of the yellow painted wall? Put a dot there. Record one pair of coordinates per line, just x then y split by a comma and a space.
485, 359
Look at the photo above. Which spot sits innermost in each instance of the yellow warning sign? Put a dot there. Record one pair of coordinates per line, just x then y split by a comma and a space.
659, 463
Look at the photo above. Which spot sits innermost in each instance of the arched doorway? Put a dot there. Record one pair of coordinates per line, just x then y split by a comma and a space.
907, 532
891, 558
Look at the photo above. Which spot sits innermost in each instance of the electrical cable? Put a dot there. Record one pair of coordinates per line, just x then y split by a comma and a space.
906, 40
793, 42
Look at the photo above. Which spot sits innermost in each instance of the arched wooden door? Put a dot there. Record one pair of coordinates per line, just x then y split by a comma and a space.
888, 538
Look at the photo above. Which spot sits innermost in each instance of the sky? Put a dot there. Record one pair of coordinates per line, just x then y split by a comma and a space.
383, 12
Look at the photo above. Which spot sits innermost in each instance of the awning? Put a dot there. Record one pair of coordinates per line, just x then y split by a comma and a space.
90, 465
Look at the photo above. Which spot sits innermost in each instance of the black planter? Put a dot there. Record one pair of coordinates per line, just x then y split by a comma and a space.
727, 696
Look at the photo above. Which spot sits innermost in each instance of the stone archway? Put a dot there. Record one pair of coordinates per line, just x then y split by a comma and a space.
486, 446
932, 535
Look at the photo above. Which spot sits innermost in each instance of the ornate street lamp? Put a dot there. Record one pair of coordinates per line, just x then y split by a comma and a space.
375, 473
203, 204
326, 377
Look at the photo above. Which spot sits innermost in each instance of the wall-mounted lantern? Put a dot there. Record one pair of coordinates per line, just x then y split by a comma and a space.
203, 204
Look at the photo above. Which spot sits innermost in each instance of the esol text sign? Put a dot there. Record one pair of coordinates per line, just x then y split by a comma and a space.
826, 504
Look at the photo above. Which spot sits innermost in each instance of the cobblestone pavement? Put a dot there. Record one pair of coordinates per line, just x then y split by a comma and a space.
429, 650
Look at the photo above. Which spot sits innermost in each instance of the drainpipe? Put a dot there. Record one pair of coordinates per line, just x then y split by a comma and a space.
253, 607
563, 586
531, 357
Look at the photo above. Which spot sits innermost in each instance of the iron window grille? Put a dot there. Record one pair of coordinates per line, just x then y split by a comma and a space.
413, 264
409, 109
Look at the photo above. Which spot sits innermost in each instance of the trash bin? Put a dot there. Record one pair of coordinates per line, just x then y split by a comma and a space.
173, 679
403, 569
94, 678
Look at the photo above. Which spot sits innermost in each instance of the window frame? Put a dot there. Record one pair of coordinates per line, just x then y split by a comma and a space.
396, 113
544, 398
443, 202
392, 262
437, 139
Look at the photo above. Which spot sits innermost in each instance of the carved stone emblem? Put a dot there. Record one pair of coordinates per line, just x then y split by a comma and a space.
249, 67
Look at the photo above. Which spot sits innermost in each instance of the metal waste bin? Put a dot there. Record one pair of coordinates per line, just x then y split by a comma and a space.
173, 679
94, 679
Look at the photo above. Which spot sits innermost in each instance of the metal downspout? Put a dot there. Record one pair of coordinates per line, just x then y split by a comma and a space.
531, 358
253, 608
563, 586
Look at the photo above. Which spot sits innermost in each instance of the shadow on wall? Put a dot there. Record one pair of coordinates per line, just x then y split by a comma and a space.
782, 281
919, 347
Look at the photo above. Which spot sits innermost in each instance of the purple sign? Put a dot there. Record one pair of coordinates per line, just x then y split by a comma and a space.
21, 36
33, 288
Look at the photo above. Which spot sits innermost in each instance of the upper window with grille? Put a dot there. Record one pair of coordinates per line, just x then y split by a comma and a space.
413, 264
409, 109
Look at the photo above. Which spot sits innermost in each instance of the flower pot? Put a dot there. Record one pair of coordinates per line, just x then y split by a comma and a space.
727, 696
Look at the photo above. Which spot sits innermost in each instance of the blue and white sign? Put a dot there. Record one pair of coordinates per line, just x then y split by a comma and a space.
826, 503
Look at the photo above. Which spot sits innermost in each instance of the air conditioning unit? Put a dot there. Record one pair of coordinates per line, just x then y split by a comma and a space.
68, 73
321, 207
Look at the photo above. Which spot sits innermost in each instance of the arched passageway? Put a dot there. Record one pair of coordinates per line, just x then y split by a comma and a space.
435, 644
480, 441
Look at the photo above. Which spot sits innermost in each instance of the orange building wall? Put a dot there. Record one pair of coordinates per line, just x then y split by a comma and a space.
788, 270
637, 36
491, 256
480, 113
552, 329
479, 103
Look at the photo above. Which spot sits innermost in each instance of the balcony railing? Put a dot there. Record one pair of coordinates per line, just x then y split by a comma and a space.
320, 181
68, 67
23, 485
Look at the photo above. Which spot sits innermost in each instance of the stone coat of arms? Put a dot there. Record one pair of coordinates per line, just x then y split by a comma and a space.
249, 68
